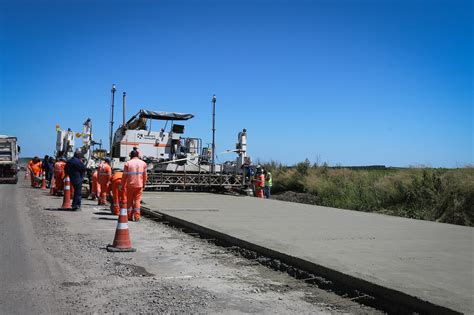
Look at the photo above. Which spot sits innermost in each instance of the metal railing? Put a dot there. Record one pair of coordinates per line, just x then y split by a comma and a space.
190, 180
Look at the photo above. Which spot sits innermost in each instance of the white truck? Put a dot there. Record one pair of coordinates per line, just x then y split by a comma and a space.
9, 151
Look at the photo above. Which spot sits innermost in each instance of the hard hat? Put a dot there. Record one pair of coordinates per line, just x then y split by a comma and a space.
107, 159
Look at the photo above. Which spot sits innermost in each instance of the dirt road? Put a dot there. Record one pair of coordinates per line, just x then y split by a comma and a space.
55, 261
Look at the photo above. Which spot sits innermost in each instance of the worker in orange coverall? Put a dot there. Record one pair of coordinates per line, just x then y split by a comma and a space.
30, 170
105, 172
36, 171
134, 179
95, 193
259, 182
59, 175
118, 191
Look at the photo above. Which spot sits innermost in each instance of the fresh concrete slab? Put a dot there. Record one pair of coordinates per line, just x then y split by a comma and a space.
429, 260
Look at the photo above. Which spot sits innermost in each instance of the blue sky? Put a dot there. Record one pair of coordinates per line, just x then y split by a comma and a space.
346, 82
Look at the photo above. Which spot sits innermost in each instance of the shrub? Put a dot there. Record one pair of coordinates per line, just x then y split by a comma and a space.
421, 193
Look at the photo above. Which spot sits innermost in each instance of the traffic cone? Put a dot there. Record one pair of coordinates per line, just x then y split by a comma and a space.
67, 194
122, 236
27, 174
43, 180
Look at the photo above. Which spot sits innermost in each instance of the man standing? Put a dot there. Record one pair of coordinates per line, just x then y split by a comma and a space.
268, 183
105, 172
59, 175
134, 179
75, 169
259, 182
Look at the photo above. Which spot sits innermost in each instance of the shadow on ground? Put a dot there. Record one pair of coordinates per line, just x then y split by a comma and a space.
59, 209
103, 213
105, 218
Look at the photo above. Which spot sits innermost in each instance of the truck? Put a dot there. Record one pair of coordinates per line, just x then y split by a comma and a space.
9, 151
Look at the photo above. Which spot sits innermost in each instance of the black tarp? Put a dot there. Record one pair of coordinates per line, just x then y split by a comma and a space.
143, 113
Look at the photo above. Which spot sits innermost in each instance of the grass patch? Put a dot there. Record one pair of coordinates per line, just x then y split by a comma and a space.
443, 195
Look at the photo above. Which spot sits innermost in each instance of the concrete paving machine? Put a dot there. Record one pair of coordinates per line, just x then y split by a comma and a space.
176, 161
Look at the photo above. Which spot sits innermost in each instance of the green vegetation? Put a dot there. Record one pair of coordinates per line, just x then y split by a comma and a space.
443, 195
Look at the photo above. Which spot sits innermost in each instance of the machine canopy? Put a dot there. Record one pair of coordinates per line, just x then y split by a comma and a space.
143, 113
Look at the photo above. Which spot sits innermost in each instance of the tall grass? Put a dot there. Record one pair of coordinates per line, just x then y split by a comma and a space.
444, 195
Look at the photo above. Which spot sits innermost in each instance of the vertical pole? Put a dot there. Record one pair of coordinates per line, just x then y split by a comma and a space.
123, 107
213, 162
112, 118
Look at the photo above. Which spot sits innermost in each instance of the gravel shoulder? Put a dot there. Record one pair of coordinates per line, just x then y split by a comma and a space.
171, 272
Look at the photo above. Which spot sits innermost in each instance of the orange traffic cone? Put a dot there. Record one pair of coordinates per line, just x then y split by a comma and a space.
122, 237
67, 194
43, 180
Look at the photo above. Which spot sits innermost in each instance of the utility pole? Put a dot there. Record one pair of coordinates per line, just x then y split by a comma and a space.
213, 162
123, 107
112, 118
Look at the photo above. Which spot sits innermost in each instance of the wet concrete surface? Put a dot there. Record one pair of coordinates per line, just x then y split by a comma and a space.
428, 260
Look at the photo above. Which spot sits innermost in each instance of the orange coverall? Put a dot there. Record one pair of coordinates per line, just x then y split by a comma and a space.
36, 169
95, 185
259, 184
30, 170
118, 192
59, 176
134, 179
105, 172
